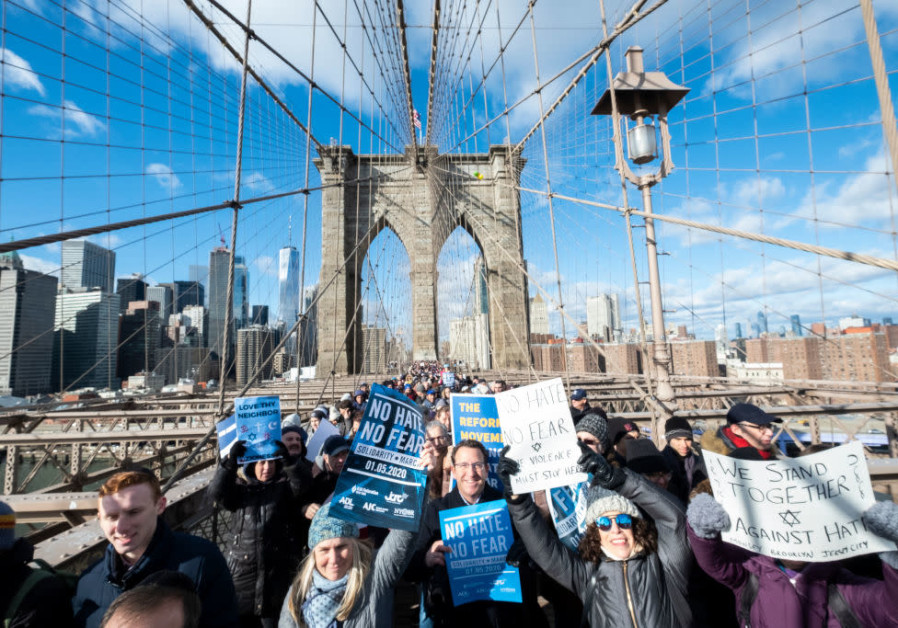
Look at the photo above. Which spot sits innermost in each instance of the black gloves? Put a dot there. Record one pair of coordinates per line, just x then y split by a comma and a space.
591, 462
517, 554
506, 468
281, 451
237, 450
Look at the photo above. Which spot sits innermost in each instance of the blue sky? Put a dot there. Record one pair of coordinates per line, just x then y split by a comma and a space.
779, 135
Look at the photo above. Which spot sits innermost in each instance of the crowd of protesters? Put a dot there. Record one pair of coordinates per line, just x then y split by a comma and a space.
651, 554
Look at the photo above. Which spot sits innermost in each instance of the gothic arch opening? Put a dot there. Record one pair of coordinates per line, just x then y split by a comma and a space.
386, 304
463, 302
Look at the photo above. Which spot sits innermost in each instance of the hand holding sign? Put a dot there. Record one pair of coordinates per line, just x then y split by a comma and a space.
236, 452
706, 516
507, 468
434, 555
882, 520
595, 464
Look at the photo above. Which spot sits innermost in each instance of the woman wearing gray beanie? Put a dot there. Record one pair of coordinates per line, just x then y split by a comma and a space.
632, 568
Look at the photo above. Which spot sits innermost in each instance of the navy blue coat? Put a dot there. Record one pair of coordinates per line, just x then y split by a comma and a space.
198, 558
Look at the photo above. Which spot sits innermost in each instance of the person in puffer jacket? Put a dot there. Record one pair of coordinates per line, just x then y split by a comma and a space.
262, 550
771, 592
633, 566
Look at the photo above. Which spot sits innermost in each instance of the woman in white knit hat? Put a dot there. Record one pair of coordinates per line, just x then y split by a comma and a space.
632, 568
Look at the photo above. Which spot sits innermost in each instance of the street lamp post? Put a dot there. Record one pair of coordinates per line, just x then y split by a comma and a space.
643, 95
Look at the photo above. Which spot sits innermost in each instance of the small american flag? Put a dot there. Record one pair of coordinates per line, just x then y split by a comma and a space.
417, 120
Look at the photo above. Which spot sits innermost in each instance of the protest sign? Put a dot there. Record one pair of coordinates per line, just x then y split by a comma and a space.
448, 378
480, 536
259, 424
567, 505
536, 423
226, 430
325, 430
806, 508
474, 417
382, 483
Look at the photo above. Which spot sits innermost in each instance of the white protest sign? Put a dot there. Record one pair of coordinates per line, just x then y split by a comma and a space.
536, 423
806, 508
325, 430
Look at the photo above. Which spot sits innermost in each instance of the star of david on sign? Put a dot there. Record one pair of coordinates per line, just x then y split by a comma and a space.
790, 517
251, 437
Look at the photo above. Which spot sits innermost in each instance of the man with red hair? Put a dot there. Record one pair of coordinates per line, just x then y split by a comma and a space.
140, 544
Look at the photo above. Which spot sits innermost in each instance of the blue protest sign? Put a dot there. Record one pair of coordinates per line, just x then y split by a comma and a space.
382, 483
259, 424
567, 504
475, 417
226, 430
480, 536
448, 378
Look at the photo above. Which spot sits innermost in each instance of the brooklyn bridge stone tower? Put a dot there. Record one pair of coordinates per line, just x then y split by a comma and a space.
422, 197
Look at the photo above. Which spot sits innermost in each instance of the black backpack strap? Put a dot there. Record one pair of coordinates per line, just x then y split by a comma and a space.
587, 600
747, 599
840, 608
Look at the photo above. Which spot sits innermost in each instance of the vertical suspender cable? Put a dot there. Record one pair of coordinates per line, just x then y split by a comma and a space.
229, 313
305, 211
542, 129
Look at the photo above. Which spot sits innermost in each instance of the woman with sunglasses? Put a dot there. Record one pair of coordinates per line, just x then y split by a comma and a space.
632, 568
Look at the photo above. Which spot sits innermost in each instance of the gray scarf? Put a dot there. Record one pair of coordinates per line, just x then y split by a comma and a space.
320, 608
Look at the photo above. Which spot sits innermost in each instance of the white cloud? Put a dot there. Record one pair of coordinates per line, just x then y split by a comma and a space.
77, 122
39, 264
164, 176
865, 198
782, 287
266, 265
18, 73
258, 182
767, 62
109, 240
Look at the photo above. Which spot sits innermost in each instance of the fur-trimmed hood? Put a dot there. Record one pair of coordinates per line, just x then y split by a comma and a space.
716, 441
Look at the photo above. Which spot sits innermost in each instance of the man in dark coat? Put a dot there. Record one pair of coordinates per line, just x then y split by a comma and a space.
28, 598
687, 467
141, 544
747, 426
470, 470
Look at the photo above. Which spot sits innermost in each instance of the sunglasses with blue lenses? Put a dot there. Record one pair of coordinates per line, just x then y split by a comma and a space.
624, 522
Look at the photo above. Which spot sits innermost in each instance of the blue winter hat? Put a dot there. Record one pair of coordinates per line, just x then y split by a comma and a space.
325, 527
7, 526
